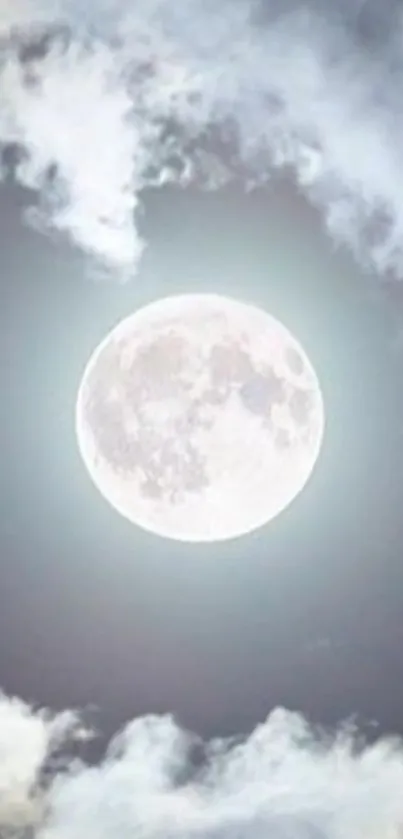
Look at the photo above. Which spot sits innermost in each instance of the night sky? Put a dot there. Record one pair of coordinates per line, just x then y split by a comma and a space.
305, 613
253, 687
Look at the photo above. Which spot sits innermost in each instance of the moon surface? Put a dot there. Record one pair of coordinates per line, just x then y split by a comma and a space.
199, 417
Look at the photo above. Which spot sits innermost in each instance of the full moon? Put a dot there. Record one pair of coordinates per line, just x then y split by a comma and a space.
199, 417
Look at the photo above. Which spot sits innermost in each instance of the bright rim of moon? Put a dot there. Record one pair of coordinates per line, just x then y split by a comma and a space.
199, 417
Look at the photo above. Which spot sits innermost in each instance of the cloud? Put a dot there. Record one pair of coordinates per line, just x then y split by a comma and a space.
284, 781
26, 740
106, 100
18, 14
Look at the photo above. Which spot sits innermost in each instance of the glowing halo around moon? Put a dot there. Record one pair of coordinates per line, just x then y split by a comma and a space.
199, 417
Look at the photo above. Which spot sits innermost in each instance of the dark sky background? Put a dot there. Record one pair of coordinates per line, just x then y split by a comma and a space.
307, 612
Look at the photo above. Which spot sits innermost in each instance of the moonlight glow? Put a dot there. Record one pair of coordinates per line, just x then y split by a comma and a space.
199, 417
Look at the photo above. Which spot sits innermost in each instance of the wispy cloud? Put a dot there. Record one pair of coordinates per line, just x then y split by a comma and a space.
283, 781
27, 739
120, 89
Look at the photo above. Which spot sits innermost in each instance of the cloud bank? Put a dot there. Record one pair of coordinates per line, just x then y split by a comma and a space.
156, 780
103, 101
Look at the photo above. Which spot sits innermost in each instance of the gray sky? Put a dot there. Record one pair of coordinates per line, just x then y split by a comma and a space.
168, 113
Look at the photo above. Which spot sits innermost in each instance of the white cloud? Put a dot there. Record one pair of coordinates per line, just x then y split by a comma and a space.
26, 739
14, 14
281, 782
73, 112
317, 87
